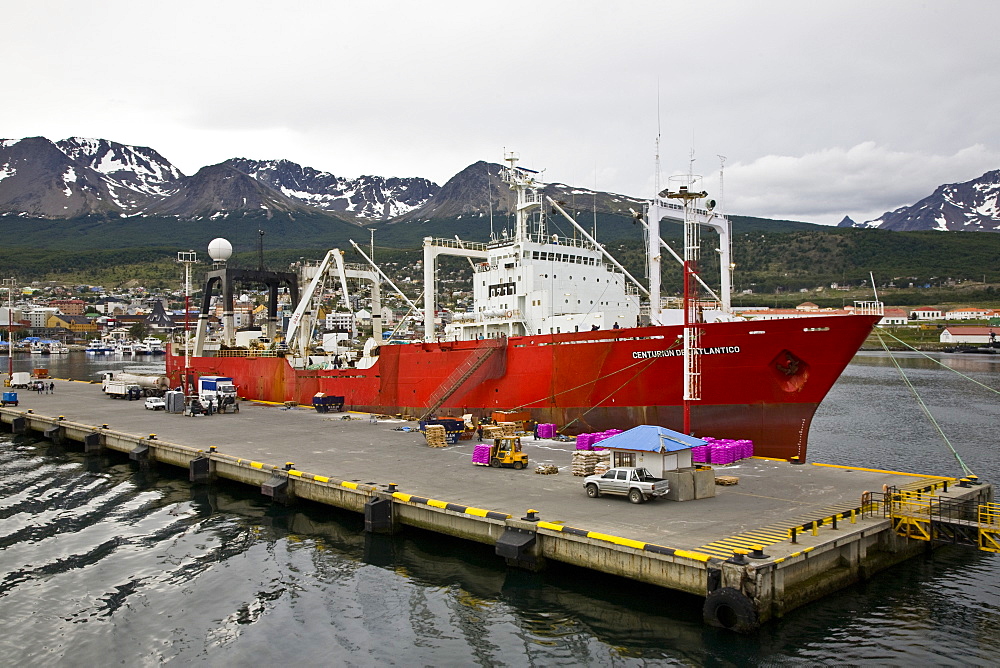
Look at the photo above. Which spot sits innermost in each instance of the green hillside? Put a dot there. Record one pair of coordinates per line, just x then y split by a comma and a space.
774, 260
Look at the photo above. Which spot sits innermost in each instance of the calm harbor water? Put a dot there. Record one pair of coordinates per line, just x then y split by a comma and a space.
102, 563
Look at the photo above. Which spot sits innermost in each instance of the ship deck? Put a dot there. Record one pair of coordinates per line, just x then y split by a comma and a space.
770, 497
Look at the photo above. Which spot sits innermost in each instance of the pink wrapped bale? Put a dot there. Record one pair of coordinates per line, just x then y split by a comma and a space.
481, 455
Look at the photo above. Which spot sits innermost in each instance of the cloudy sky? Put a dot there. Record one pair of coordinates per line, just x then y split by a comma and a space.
822, 109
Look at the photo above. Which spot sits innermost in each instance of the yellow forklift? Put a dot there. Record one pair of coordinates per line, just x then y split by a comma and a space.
506, 451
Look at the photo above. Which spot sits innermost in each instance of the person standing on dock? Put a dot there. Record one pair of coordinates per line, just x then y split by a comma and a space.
52, 388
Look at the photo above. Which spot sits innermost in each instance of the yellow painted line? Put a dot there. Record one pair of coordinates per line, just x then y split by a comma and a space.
697, 556
617, 540
478, 512
550, 526
349, 485
437, 504
401, 496
256, 465
295, 473
858, 468
779, 560
809, 549
321, 478
769, 459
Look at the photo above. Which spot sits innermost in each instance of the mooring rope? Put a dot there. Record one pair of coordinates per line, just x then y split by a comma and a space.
940, 363
965, 469
646, 362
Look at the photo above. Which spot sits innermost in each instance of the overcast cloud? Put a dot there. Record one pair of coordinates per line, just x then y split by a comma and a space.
821, 109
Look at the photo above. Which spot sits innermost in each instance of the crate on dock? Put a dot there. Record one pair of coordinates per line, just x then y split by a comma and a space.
436, 436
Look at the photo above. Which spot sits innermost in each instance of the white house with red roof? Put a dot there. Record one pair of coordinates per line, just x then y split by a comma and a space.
926, 313
968, 313
969, 334
894, 316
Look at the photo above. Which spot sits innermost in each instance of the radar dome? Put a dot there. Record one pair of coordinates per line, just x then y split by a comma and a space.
220, 250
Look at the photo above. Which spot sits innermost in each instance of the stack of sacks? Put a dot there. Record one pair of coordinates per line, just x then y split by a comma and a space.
547, 430
547, 469
584, 462
481, 455
722, 450
587, 441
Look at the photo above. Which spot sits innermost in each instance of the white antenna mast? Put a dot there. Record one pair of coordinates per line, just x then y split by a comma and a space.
489, 196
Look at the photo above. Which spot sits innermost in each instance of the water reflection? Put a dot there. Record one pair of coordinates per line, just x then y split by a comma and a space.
102, 561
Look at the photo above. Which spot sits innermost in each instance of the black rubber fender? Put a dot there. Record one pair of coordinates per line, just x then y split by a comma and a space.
728, 608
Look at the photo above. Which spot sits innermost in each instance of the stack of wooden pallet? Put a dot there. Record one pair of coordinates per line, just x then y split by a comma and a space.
492, 431
435, 435
509, 428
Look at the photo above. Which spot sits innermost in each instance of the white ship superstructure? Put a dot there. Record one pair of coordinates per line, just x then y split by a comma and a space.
537, 282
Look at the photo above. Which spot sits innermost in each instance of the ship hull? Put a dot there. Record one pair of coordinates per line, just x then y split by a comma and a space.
760, 380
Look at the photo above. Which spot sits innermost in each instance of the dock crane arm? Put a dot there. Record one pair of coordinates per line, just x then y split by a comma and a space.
295, 321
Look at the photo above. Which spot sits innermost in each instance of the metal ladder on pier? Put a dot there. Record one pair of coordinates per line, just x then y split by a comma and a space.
462, 373
921, 515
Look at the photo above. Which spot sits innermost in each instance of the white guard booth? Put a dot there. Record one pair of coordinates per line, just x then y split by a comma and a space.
666, 454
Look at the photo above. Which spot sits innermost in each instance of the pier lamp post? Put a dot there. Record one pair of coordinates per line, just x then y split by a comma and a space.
187, 258
8, 285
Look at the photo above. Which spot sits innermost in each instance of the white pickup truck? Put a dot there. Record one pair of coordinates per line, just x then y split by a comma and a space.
637, 483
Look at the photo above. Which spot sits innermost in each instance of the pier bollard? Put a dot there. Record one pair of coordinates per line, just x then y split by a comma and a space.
964, 482
854, 519
974, 480
212, 448
739, 557
757, 552
289, 466
104, 426
834, 522
531, 515
815, 527
392, 487
30, 410
61, 418
794, 534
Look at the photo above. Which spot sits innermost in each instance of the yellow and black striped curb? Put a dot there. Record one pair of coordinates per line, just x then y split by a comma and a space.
454, 507
626, 542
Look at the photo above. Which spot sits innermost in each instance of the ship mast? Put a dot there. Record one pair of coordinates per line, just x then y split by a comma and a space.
688, 194
523, 182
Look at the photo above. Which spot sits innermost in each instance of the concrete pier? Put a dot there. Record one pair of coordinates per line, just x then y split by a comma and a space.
733, 549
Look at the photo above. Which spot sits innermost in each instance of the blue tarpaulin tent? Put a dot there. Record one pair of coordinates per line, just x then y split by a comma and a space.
650, 438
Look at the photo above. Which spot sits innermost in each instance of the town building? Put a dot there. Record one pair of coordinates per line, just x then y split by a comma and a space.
969, 334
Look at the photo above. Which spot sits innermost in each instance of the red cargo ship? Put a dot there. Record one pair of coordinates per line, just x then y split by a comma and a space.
523, 348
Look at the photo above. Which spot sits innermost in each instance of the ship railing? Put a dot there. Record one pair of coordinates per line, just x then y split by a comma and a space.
455, 243
243, 352
486, 318
869, 308
557, 240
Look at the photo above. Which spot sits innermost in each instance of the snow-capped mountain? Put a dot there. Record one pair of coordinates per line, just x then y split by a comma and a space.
973, 206
365, 197
77, 177
478, 189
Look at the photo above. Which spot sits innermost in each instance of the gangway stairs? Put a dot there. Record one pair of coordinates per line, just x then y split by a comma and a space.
462, 373
922, 515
